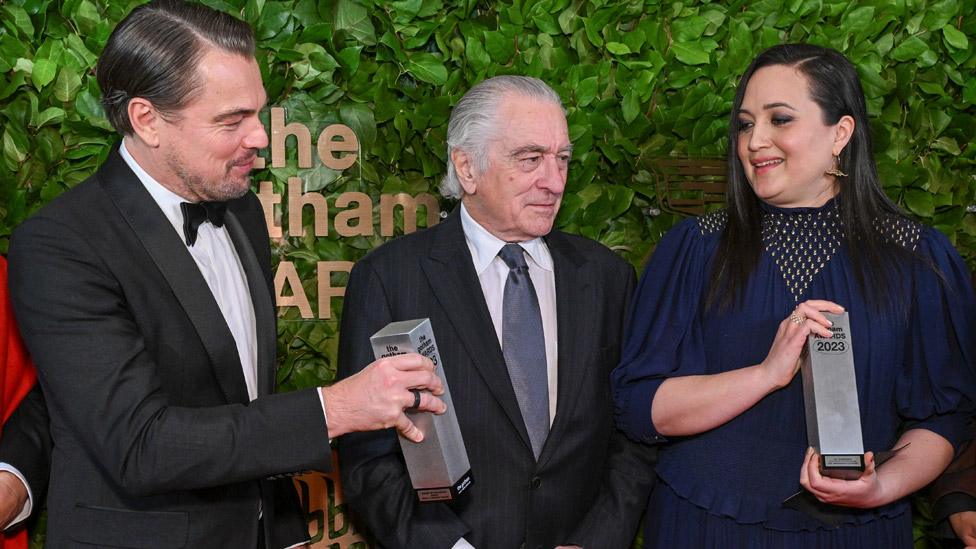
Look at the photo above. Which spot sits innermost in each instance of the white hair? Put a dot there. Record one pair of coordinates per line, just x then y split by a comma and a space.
472, 122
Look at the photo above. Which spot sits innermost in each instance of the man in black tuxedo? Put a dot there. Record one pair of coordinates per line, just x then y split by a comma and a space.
528, 323
145, 298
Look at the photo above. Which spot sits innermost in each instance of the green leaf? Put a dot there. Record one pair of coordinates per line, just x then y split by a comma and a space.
17, 21
67, 84
499, 46
15, 145
87, 105
274, 16
360, 118
49, 145
48, 115
44, 71
948, 145
954, 38
689, 29
858, 19
630, 107
77, 46
408, 8
618, 48
317, 32
690, 53
920, 202
476, 54
428, 68
349, 58
969, 92
932, 88
354, 18
909, 49
586, 91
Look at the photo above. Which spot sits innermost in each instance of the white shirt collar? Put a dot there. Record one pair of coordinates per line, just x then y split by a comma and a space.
485, 246
167, 200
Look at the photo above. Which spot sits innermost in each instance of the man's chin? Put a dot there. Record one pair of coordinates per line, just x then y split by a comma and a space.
229, 190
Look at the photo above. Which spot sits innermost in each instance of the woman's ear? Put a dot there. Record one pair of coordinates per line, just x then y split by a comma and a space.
844, 130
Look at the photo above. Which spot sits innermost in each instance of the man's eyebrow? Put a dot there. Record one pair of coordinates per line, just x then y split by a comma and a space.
234, 113
533, 148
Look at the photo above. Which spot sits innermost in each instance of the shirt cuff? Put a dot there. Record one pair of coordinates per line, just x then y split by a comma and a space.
29, 504
318, 391
462, 544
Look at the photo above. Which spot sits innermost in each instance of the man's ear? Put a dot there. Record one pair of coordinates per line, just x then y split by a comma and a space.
145, 121
464, 167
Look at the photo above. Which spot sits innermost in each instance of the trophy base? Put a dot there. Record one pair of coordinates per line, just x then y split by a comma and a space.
447, 493
842, 466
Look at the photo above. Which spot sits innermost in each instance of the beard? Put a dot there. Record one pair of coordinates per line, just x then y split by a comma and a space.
228, 187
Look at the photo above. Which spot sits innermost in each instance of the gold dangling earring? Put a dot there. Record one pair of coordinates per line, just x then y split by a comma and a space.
835, 171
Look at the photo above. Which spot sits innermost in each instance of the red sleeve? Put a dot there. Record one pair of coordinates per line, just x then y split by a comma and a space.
17, 376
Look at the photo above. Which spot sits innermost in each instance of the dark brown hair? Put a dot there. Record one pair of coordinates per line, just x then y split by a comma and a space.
862, 204
153, 53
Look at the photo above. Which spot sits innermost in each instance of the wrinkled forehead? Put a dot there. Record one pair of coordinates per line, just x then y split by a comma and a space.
522, 121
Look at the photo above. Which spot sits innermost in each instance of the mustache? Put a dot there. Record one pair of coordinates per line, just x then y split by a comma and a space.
246, 159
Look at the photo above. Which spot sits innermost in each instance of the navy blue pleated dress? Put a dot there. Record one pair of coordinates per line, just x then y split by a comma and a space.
914, 363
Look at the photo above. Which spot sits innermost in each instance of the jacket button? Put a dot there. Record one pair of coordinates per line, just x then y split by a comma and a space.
536, 482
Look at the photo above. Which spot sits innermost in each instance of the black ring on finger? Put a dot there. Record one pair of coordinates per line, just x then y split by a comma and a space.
416, 399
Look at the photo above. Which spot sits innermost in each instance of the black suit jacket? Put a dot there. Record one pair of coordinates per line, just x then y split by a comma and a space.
590, 484
155, 442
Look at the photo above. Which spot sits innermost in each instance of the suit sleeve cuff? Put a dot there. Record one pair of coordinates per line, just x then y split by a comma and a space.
956, 502
634, 412
29, 504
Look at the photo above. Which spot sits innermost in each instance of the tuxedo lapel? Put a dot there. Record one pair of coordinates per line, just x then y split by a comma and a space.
450, 270
171, 257
260, 299
574, 302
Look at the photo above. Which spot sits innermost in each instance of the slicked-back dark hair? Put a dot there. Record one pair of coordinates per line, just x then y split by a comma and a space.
833, 84
153, 53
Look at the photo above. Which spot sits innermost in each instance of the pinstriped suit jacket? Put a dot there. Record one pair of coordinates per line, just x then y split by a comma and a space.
590, 484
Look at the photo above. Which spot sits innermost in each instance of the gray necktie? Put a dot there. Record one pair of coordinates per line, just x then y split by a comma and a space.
524, 346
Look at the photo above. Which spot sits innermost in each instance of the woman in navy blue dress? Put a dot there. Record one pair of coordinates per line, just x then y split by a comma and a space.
727, 302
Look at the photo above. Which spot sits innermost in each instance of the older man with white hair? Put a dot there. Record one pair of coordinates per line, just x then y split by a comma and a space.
528, 322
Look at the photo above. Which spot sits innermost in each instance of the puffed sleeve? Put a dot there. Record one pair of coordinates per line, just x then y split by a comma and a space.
936, 386
663, 337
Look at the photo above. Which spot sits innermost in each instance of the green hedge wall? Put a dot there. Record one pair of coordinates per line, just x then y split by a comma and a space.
641, 80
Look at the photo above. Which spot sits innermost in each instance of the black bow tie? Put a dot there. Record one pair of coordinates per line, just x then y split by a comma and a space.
195, 214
